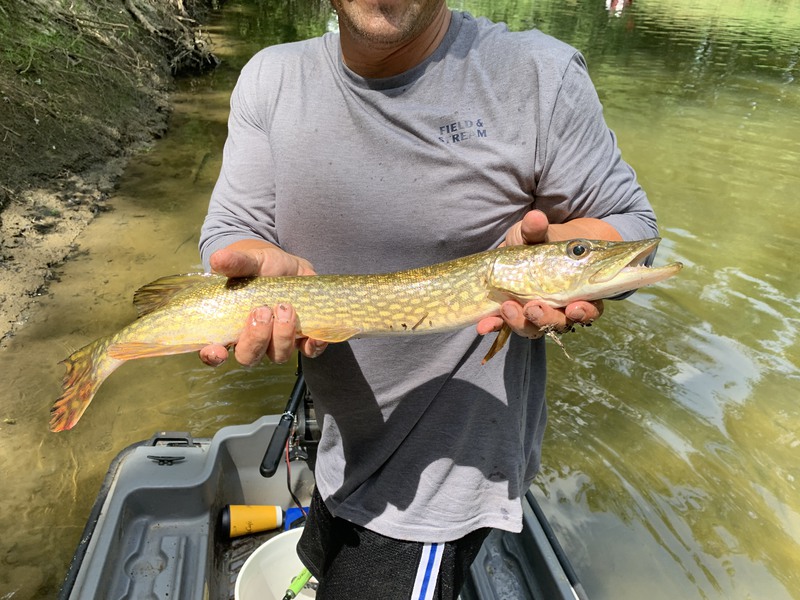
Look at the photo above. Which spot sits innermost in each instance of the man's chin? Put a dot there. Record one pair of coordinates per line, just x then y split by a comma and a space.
380, 33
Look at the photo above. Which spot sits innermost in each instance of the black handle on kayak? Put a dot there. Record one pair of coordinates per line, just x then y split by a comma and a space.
272, 457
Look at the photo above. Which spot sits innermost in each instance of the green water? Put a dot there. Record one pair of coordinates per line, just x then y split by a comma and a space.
671, 464
672, 458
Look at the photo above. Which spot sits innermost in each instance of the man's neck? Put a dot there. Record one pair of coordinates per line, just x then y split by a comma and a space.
375, 62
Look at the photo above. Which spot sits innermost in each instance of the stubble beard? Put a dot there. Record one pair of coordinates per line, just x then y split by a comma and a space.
384, 28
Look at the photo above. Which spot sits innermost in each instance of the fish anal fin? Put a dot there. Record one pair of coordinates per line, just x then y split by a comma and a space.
338, 333
499, 342
157, 293
133, 350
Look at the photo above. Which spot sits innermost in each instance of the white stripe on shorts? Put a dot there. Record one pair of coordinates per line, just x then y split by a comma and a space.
427, 572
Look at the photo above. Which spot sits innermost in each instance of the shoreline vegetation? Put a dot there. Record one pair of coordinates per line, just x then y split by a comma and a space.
83, 87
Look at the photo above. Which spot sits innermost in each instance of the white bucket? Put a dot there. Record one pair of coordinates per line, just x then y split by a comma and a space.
268, 572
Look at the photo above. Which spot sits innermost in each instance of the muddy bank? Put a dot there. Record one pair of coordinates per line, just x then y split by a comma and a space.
83, 86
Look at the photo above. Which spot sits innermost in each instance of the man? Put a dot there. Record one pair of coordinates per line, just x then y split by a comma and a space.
414, 136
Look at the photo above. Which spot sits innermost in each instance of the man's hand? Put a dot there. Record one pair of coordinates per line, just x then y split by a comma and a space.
269, 331
536, 318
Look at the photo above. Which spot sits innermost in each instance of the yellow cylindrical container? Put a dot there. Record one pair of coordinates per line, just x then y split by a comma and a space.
243, 519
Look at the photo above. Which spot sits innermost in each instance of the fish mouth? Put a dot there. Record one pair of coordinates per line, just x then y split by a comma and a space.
627, 269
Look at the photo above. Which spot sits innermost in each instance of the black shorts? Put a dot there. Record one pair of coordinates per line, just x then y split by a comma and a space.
352, 562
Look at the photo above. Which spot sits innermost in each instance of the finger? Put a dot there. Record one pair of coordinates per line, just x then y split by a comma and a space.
546, 318
214, 354
233, 263
284, 332
490, 324
255, 338
532, 229
311, 348
517, 318
584, 313
304, 267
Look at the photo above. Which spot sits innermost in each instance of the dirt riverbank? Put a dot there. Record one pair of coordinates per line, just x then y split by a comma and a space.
83, 86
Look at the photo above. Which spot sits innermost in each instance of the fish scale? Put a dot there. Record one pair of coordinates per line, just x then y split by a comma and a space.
184, 313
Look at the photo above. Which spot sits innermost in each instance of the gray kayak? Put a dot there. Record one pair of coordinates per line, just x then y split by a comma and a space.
155, 530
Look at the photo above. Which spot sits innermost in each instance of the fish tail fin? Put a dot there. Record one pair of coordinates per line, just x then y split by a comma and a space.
87, 368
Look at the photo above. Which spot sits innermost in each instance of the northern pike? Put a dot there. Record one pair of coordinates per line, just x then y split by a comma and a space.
183, 313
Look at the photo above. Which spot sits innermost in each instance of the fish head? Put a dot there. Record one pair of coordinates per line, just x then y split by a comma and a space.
559, 273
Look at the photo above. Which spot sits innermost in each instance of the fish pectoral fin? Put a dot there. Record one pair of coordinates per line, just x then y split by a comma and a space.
499, 342
132, 350
333, 334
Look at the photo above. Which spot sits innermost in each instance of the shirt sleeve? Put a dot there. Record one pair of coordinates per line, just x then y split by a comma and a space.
583, 174
242, 204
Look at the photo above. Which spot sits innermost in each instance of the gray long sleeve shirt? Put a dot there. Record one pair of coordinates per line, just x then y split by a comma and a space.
421, 442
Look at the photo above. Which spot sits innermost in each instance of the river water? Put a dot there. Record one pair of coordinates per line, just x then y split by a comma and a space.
672, 458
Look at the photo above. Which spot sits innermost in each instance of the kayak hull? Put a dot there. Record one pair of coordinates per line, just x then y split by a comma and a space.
154, 531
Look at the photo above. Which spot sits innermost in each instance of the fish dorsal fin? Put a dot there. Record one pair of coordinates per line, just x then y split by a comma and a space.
157, 293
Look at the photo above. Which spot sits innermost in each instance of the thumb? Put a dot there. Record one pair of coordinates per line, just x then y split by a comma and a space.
233, 263
532, 229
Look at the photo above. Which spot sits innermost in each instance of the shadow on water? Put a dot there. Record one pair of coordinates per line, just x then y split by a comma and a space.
671, 458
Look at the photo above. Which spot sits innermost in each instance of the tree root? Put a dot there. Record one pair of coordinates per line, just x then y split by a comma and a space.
188, 49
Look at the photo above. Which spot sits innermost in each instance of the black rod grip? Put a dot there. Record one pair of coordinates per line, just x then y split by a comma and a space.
272, 457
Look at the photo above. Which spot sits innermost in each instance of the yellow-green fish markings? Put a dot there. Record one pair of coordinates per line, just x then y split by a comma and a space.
183, 313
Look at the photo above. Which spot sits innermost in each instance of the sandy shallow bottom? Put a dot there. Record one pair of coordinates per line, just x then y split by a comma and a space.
39, 231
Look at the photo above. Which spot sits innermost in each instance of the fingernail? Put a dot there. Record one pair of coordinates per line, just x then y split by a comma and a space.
317, 347
215, 360
510, 312
283, 313
261, 315
534, 313
577, 314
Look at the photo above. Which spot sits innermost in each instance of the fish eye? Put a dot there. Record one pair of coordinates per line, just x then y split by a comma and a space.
578, 249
